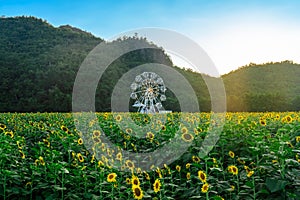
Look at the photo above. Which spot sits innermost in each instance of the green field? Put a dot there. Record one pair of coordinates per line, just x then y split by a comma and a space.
45, 156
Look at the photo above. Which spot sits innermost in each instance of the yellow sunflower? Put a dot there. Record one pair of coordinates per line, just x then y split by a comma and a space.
65, 129
188, 176
298, 139
146, 175
118, 118
150, 136
46, 142
233, 169
22, 154
2, 126
231, 154
80, 157
156, 185
263, 122
119, 156
128, 181
135, 180
178, 168
205, 188
188, 165
187, 137
137, 192
196, 159
80, 141
202, 176
10, 133
184, 130
111, 177
42, 162
96, 133
129, 164
250, 173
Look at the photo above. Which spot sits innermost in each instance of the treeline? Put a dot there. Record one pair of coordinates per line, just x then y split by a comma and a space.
39, 63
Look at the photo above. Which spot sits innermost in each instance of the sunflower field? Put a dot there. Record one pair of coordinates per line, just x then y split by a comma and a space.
46, 156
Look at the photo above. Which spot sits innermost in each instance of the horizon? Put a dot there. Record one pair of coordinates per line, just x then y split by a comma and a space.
233, 34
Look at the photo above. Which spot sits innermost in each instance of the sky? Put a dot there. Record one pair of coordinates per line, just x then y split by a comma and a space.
232, 33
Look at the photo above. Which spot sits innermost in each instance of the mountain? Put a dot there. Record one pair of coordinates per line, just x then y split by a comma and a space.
264, 87
39, 63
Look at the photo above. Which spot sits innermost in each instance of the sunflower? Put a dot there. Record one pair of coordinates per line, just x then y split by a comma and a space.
19, 146
80, 141
298, 139
100, 163
146, 175
205, 188
184, 130
128, 130
158, 172
187, 137
247, 169
263, 122
129, 164
231, 154
118, 118
128, 181
188, 176
288, 119
178, 168
80, 157
188, 165
119, 156
196, 132
249, 174
10, 133
231, 189
137, 192
111, 177
233, 169
135, 180
46, 142
93, 158
65, 129
241, 161
202, 176
96, 133
150, 136
146, 120
2, 126
22, 154
96, 140
196, 159
156, 185
163, 128
42, 162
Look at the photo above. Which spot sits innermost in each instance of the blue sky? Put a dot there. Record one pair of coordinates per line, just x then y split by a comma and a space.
233, 33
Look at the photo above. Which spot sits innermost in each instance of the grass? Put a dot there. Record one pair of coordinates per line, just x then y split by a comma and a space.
46, 156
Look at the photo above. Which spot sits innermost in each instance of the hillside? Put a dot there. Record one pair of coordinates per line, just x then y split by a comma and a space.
265, 87
39, 63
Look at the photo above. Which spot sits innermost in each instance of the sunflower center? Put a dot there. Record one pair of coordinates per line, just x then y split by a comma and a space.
187, 136
137, 191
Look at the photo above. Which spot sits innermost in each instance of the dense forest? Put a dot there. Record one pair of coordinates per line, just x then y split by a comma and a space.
39, 63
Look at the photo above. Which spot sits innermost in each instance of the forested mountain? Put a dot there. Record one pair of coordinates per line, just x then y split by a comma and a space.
39, 63
266, 87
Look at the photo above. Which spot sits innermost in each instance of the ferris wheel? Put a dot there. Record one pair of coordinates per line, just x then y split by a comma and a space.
148, 91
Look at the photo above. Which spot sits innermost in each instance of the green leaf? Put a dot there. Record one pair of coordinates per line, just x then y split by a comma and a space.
275, 185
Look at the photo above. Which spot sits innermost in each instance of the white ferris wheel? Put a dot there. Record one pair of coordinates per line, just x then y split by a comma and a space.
148, 91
